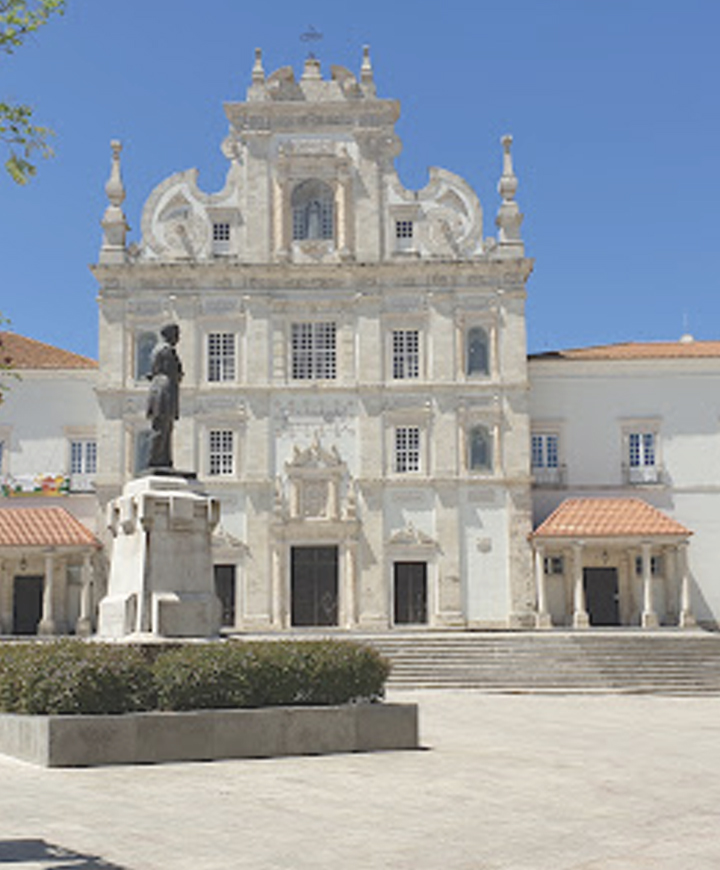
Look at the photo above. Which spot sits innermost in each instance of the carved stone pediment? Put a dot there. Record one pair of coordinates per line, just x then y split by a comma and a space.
410, 536
223, 540
315, 457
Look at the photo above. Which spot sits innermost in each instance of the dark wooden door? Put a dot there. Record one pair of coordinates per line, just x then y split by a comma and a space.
410, 593
601, 595
225, 591
27, 604
314, 585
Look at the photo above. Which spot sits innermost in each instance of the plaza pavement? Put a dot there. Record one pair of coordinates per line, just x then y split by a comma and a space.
507, 782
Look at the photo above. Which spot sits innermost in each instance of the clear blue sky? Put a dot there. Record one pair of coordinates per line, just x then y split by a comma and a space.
613, 104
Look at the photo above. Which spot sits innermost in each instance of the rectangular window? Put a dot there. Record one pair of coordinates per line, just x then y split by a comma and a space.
642, 449
83, 464
544, 450
403, 229
406, 353
222, 454
313, 351
407, 448
221, 356
221, 238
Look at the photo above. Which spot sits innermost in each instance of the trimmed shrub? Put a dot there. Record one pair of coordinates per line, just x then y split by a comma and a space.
71, 676
269, 674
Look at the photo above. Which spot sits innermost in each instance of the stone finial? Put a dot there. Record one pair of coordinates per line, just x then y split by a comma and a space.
312, 73
367, 77
113, 223
114, 185
509, 218
258, 73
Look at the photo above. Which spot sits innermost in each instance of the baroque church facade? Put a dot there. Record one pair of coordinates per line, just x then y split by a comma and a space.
358, 398
355, 387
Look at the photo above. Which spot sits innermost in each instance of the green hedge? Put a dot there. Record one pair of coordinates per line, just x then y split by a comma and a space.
72, 676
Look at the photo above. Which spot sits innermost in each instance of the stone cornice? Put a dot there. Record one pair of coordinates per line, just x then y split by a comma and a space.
364, 277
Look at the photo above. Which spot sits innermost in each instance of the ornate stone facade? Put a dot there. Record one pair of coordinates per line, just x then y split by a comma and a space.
356, 389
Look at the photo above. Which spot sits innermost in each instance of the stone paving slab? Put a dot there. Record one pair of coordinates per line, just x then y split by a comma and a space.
509, 782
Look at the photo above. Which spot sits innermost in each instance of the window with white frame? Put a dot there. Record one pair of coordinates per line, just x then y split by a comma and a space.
313, 210
477, 352
545, 450
405, 353
83, 463
404, 234
221, 461
221, 237
407, 449
221, 356
642, 449
480, 449
313, 347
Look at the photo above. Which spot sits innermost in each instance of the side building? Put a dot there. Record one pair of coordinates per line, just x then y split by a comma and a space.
355, 389
625, 460
51, 570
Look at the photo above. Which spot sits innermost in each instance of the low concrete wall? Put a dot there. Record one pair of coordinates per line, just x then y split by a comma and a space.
202, 735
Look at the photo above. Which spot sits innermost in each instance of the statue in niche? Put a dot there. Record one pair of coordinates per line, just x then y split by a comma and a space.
163, 406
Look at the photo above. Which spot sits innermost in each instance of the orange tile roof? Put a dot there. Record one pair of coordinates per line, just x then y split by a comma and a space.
638, 350
43, 527
27, 353
608, 517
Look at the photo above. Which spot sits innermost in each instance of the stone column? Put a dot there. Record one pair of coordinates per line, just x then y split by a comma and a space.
581, 618
277, 579
47, 623
6, 598
542, 618
344, 221
349, 615
687, 620
282, 217
649, 617
83, 627
239, 597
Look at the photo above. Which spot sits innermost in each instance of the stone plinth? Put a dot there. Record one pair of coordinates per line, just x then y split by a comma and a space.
161, 574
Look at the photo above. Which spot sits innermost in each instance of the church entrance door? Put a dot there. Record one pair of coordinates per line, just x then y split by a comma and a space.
410, 593
601, 595
314, 585
225, 591
27, 604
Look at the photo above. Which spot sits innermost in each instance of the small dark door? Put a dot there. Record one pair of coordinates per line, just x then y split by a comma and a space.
225, 591
601, 595
410, 593
27, 604
314, 585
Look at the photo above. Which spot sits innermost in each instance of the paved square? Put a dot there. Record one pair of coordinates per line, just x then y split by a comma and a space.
509, 782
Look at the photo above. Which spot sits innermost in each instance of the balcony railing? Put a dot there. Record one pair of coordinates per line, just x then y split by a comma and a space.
638, 475
543, 476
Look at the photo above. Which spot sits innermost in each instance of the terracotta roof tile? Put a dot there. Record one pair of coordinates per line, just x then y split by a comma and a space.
43, 527
608, 517
27, 353
638, 350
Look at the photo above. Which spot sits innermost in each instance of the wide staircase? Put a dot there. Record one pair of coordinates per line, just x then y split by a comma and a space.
665, 661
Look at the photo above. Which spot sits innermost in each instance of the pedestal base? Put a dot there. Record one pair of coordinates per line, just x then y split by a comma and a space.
161, 574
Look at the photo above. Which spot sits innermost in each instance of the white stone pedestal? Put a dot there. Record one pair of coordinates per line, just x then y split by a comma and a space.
161, 574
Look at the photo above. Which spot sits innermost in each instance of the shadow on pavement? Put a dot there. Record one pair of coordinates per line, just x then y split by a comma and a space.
48, 856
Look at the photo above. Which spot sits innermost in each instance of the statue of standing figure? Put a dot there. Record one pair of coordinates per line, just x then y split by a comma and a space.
163, 406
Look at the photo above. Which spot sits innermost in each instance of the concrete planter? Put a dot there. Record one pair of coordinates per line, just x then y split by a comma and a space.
204, 735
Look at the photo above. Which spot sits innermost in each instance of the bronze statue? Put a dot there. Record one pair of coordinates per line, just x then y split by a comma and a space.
163, 406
